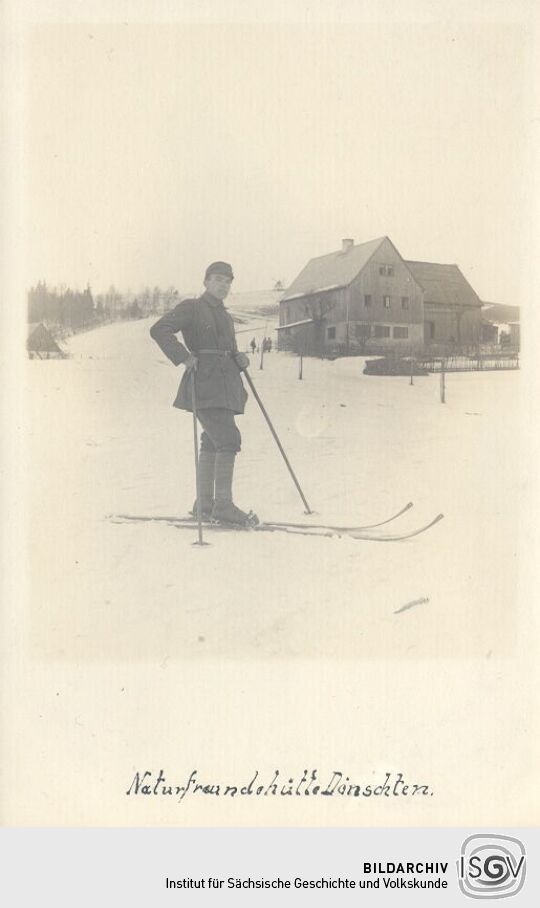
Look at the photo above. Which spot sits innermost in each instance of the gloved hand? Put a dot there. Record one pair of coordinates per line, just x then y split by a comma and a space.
191, 363
241, 360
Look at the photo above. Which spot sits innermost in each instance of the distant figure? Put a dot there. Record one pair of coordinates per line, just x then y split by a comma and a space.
268, 344
253, 345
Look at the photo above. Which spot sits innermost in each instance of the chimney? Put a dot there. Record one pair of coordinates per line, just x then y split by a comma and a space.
346, 245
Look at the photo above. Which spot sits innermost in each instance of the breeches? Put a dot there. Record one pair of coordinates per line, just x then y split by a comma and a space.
220, 430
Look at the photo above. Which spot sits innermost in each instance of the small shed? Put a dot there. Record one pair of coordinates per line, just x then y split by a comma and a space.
41, 344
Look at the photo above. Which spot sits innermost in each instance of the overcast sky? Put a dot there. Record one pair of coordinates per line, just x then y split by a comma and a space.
154, 149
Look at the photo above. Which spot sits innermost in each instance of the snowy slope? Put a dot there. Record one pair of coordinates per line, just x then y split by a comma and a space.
105, 440
254, 301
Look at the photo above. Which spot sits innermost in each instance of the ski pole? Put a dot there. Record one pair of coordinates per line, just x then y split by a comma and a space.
280, 446
200, 540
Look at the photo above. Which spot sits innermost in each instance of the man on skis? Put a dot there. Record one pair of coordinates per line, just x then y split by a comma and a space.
212, 361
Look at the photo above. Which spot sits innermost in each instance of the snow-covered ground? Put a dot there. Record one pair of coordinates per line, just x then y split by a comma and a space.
133, 650
105, 440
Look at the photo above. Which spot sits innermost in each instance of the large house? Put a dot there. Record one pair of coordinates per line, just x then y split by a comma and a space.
366, 297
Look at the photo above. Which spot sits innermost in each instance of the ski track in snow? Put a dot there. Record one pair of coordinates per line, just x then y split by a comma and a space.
104, 439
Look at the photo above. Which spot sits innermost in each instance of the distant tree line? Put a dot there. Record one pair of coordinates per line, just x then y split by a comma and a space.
68, 311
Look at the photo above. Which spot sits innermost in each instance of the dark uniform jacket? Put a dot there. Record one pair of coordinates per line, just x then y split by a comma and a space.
205, 325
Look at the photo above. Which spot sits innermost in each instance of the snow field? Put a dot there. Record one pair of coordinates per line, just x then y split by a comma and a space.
105, 440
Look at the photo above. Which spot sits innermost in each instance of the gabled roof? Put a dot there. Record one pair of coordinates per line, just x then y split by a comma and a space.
337, 269
443, 284
40, 338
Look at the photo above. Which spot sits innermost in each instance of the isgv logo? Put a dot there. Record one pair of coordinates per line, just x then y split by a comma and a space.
491, 866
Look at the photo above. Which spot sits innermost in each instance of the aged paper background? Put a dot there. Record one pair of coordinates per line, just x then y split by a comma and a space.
95, 691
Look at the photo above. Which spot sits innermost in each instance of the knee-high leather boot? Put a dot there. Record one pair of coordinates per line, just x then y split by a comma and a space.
224, 509
207, 464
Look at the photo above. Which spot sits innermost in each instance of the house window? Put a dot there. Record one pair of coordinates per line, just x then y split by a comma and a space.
404, 302
386, 270
402, 333
331, 333
367, 300
386, 301
382, 330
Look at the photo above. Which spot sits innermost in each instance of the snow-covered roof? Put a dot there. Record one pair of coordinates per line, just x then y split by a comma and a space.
443, 284
305, 321
299, 296
40, 338
329, 272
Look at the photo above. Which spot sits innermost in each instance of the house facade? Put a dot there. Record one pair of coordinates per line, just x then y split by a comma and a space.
452, 310
366, 298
